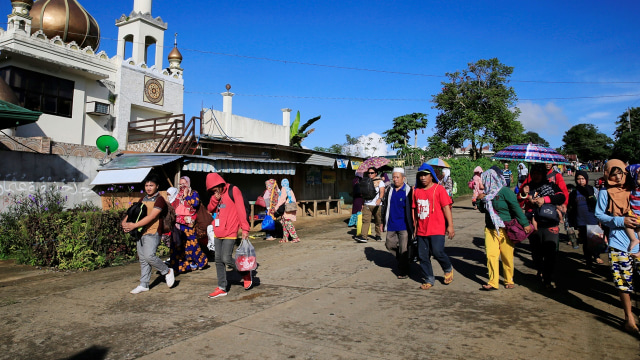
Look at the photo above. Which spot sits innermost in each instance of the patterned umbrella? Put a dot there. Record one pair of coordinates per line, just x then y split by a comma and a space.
438, 162
532, 153
374, 162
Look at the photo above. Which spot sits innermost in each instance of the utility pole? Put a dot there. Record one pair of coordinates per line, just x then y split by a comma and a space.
629, 118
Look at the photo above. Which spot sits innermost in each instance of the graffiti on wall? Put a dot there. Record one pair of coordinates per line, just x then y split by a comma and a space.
15, 183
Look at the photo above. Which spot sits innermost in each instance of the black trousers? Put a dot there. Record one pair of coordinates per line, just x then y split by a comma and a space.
544, 251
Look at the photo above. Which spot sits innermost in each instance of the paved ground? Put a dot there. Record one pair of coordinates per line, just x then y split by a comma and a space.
324, 298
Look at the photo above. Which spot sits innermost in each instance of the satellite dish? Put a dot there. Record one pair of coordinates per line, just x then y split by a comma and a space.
107, 144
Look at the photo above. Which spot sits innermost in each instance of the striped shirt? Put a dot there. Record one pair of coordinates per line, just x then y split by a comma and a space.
506, 174
634, 200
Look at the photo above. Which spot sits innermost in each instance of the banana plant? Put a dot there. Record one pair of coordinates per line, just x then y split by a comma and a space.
298, 134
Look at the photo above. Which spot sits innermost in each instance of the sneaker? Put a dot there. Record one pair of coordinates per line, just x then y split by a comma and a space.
139, 289
218, 293
378, 238
361, 239
170, 278
248, 281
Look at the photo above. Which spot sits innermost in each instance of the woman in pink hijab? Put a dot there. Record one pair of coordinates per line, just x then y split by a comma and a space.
477, 185
187, 255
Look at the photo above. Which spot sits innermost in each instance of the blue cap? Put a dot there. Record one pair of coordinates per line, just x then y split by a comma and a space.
426, 168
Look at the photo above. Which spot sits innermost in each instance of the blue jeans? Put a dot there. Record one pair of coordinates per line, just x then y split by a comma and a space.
432, 245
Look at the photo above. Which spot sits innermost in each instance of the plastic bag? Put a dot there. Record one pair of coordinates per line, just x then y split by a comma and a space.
211, 245
595, 239
268, 224
246, 256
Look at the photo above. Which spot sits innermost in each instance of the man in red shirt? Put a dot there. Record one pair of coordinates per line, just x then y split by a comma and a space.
433, 220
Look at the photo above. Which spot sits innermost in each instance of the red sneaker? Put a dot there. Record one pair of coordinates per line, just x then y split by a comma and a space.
248, 281
218, 293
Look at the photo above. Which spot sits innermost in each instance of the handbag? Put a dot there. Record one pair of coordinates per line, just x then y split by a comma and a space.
515, 231
288, 207
246, 256
203, 219
260, 202
548, 212
268, 224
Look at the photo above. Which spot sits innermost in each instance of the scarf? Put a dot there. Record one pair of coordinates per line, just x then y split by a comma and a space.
492, 185
272, 198
285, 186
585, 190
618, 193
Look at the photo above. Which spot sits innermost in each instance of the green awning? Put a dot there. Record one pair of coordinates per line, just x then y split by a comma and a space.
13, 115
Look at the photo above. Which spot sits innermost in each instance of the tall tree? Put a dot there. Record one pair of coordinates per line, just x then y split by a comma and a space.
478, 106
398, 136
627, 136
437, 147
587, 142
534, 138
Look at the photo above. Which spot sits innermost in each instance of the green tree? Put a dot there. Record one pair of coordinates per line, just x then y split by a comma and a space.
478, 106
437, 147
627, 136
534, 138
333, 149
296, 134
398, 136
587, 142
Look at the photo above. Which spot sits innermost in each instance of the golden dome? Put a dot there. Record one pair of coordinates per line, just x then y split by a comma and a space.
66, 18
175, 54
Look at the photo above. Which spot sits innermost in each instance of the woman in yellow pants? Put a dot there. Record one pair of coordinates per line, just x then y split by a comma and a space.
499, 203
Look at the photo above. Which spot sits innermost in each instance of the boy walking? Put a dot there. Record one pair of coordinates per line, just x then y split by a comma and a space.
148, 243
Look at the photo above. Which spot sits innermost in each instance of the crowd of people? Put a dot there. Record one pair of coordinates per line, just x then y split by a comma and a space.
417, 220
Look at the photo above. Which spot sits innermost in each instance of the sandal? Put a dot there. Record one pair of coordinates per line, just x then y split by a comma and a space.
426, 286
510, 286
402, 276
487, 287
270, 239
284, 241
295, 241
448, 277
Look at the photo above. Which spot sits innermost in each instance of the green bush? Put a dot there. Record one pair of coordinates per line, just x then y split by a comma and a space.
35, 230
462, 171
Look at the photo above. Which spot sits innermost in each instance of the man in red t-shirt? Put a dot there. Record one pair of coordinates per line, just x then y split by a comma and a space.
433, 220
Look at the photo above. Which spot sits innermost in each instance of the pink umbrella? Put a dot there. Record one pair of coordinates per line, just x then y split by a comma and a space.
372, 162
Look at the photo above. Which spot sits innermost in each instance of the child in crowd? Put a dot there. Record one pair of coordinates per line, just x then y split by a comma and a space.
524, 199
634, 200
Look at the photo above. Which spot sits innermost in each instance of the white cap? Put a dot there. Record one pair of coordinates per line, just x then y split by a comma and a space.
398, 170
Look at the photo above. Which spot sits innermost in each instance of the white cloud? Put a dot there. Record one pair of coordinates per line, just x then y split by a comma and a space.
368, 146
594, 117
547, 120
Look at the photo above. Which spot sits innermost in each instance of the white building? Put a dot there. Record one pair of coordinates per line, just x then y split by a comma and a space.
49, 58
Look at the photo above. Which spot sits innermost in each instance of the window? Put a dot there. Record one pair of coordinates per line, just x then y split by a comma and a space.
40, 92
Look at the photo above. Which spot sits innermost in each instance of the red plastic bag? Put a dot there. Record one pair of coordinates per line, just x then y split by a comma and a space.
246, 256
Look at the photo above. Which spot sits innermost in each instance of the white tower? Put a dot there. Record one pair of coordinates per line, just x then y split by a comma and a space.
140, 30
19, 20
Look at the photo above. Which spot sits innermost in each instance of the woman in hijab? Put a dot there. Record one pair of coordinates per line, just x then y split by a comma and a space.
477, 185
288, 230
581, 212
358, 200
271, 200
613, 204
187, 255
545, 197
523, 173
499, 204
447, 182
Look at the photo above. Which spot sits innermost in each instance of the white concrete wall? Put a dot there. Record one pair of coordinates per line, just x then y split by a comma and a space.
244, 129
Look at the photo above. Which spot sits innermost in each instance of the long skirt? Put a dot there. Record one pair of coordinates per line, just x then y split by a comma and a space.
188, 255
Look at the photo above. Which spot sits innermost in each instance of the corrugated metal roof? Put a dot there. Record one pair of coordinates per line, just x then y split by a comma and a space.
121, 176
317, 159
238, 166
132, 161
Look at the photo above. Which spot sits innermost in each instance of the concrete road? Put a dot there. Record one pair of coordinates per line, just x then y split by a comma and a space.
326, 297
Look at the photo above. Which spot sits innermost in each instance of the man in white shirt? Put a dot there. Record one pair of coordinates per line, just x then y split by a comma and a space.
371, 208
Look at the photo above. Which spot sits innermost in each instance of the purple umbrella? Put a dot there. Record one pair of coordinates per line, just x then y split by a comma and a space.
532, 153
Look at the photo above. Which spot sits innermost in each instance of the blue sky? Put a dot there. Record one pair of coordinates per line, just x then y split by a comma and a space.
409, 45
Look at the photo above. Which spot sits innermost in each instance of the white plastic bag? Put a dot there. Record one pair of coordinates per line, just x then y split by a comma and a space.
211, 245
246, 256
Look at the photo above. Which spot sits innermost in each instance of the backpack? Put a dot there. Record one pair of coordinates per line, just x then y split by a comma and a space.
367, 188
135, 212
471, 183
247, 206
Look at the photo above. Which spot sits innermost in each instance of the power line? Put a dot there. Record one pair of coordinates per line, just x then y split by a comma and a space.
353, 68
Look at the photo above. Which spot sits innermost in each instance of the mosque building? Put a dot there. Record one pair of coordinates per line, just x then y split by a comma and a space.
49, 57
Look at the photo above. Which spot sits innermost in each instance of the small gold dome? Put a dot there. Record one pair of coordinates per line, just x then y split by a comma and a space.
175, 54
67, 19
